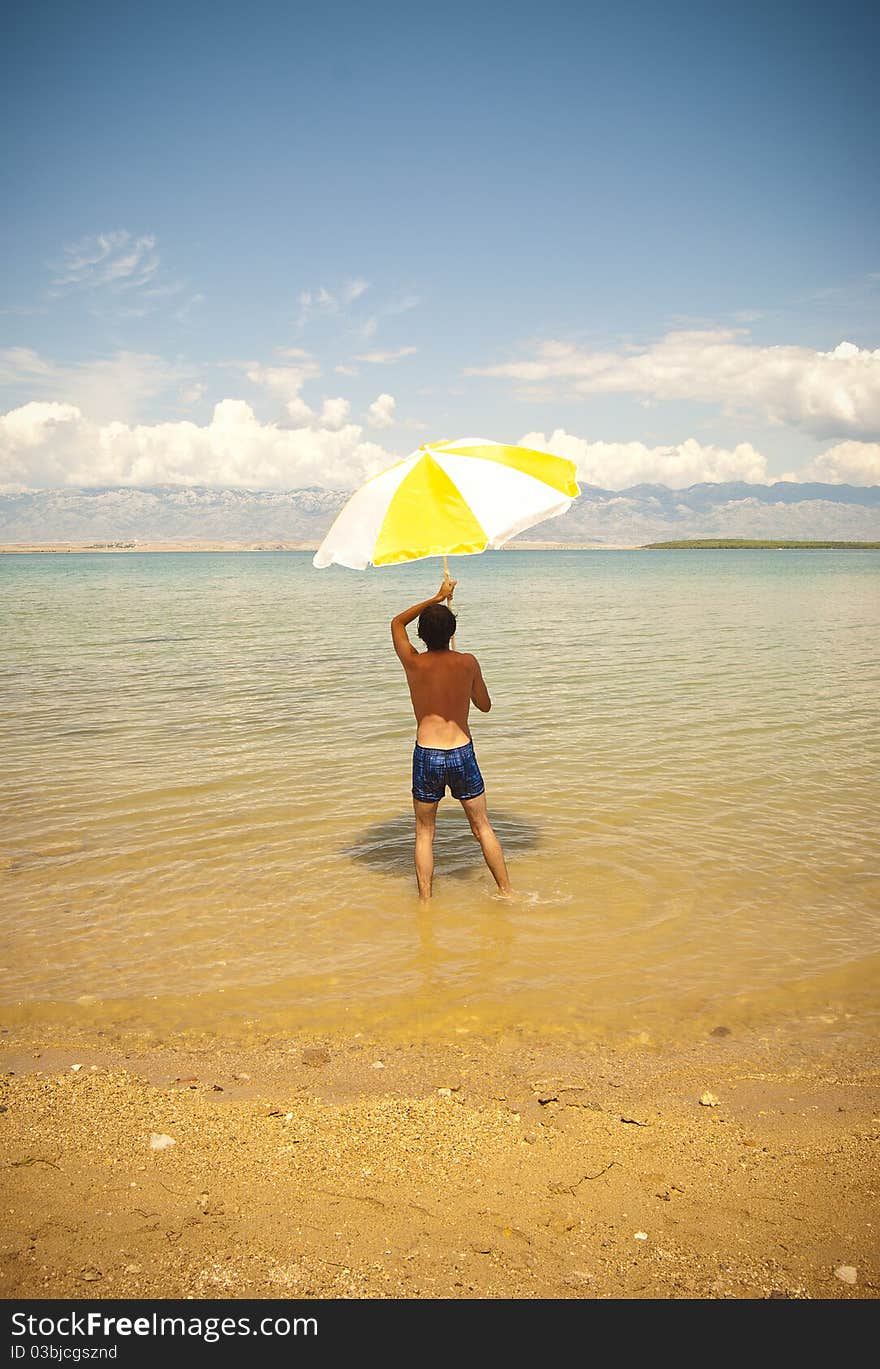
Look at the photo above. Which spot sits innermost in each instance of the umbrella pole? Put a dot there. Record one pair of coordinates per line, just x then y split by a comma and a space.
449, 601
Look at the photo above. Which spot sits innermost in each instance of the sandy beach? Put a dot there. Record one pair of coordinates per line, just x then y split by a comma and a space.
143, 1167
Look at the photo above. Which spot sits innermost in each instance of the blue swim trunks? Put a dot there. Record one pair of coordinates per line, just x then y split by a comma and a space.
434, 769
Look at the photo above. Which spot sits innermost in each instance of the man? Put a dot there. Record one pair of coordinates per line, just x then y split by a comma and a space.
442, 686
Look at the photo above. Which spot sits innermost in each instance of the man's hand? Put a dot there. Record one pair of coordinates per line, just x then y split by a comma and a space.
446, 590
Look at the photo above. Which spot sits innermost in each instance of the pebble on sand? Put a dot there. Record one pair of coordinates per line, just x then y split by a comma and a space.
640, 1235
315, 1055
159, 1141
708, 1100
846, 1273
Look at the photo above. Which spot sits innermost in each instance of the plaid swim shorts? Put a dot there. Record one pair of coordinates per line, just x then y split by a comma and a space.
434, 769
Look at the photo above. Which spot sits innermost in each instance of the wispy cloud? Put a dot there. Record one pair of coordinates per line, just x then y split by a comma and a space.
106, 389
353, 289
119, 275
117, 260
380, 358
318, 300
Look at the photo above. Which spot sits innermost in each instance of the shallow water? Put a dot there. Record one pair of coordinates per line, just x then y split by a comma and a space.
205, 769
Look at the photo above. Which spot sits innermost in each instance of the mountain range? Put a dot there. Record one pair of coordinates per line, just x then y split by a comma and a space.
631, 517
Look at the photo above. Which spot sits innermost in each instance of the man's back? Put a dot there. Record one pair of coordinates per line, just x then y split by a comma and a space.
442, 685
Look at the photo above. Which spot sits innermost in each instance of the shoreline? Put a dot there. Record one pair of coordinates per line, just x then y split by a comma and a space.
486, 1166
191, 545
266, 544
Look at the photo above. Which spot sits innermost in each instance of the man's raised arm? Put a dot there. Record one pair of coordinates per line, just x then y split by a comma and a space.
402, 645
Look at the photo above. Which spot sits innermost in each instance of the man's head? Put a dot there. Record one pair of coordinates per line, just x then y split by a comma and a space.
436, 626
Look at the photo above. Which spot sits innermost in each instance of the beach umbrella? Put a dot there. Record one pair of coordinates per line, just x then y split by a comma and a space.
448, 499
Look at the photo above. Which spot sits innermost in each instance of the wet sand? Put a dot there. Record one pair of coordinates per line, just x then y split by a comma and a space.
465, 1168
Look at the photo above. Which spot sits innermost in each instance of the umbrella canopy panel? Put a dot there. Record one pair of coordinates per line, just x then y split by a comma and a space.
448, 499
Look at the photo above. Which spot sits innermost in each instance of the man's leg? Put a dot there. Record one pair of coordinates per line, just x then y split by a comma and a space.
426, 818
489, 843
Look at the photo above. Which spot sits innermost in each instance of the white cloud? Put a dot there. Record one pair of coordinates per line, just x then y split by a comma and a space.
847, 463
284, 382
51, 445
191, 394
114, 387
299, 412
385, 358
380, 414
834, 393
334, 412
618, 465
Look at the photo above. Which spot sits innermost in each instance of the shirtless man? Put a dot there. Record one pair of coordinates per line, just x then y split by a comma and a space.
442, 686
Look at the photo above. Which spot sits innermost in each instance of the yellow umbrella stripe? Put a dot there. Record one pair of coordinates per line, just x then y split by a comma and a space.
555, 471
406, 534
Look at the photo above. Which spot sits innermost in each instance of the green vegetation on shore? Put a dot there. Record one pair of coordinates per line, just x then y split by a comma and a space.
747, 544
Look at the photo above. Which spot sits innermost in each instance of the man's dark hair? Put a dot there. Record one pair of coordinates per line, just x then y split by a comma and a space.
436, 626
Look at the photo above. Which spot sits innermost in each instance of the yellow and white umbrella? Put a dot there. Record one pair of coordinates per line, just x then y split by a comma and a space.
448, 499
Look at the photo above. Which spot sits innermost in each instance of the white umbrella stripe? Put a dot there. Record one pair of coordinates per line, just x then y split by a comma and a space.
506, 502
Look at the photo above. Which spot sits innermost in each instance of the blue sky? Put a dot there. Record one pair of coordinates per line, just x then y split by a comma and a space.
616, 231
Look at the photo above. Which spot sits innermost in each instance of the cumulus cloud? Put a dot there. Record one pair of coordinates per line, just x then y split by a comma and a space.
332, 414
380, 414
829, 394
52, 444
618, 465
847, 463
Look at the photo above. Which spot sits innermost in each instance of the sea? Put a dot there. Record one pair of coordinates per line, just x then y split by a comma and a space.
207, 821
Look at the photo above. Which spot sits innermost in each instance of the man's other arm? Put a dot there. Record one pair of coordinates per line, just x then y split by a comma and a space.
479, 692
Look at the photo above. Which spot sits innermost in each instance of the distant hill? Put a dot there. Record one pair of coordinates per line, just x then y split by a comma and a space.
632, 517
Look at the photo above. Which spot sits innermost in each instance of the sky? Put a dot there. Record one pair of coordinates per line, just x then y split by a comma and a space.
283, 244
